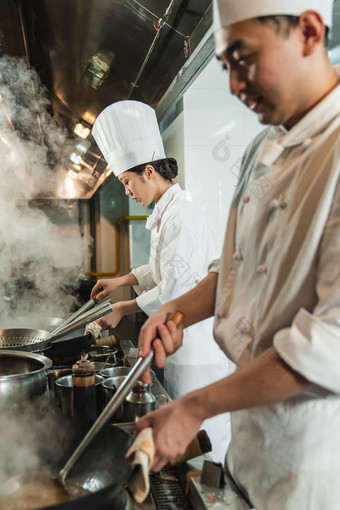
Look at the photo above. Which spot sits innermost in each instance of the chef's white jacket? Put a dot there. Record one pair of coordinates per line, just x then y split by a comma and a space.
279, 284
181, 249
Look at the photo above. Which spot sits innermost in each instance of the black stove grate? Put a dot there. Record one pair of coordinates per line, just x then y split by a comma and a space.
167, 492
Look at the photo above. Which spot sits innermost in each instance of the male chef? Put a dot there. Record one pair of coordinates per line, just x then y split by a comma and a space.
275, 292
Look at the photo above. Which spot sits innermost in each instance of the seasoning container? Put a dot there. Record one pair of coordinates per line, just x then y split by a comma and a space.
84, 391
138, 402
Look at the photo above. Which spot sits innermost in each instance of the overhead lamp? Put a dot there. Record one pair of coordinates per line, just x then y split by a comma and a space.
76, 158
72, 174
82, 129
98, 67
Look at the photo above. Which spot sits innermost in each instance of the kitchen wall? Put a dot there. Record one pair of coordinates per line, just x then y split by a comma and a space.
207, 131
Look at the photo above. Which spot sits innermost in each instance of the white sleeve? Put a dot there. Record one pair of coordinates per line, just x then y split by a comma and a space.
178, 262
311, 346
144, 278
214, 266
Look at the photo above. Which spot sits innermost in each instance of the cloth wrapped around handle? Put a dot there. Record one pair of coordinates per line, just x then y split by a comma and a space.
141, 454
142, 451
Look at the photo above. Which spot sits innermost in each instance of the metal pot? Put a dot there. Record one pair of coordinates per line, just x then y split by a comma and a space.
22, 376
65, 395
139, 402
110, 386
114, 371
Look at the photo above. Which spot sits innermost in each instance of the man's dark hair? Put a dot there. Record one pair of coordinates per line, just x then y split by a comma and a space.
284, 24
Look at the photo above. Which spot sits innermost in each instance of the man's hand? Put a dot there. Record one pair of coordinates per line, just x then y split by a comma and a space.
174, 425
164, 335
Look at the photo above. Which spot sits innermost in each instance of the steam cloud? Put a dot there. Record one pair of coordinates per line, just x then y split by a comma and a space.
36, 255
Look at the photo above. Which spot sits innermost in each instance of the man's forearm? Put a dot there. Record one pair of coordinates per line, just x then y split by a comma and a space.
265, 380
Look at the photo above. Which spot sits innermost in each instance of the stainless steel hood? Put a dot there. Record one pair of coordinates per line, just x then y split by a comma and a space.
142, 45
90, 53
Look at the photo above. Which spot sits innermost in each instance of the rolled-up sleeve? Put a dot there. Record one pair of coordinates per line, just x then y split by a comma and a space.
144, 278
214, 266
311, 346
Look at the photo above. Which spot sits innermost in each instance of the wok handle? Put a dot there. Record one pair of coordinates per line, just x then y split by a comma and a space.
87, 317
138, 369
89, 304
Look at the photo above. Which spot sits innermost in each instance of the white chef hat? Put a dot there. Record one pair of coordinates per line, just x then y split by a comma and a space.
227, 12
128, 135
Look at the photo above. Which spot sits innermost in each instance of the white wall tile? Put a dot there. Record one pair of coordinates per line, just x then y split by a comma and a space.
210, 137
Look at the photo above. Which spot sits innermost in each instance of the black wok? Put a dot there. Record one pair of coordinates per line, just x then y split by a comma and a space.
101, 469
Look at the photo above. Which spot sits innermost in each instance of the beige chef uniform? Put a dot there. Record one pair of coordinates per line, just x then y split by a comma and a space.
279, 283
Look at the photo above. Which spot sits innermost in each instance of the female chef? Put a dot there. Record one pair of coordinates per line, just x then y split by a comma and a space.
180, 250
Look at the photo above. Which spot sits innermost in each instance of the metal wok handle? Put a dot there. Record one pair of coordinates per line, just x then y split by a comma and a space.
141, 365
85, 318
89, 304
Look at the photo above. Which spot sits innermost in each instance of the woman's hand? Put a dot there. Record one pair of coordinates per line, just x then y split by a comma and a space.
111, 320
103, 288
174, 425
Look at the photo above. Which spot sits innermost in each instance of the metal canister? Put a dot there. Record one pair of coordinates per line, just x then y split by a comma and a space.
138, 402
84, 391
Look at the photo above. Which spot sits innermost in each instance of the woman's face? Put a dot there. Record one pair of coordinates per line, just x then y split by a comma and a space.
138, 187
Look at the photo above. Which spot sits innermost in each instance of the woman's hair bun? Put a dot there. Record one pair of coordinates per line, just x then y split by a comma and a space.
173, 167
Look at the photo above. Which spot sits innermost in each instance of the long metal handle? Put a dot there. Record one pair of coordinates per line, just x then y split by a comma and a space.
141, 365
89, 304
86, 318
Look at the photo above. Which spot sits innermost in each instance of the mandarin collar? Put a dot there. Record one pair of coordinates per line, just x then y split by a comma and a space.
303, 132
161, 205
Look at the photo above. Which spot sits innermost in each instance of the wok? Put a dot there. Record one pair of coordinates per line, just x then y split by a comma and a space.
62, 351
101, 469
42, 341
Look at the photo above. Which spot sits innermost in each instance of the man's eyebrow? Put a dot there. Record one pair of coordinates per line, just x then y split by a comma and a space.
238, 44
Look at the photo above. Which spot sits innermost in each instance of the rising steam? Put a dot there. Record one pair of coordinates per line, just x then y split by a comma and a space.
36, 255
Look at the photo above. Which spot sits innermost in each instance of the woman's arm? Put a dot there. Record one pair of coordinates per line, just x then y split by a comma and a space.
104, 287
120, 309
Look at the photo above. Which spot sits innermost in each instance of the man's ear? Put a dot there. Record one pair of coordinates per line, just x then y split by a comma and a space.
312, 30
149, 171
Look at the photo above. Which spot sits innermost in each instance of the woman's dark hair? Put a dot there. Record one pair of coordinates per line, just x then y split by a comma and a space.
167, 168
284, 24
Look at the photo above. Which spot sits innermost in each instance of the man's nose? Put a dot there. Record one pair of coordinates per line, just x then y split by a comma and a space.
237, 82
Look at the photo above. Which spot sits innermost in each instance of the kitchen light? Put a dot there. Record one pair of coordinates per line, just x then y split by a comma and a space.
98, 67
82, 130
76, 158
83, 146
72, 174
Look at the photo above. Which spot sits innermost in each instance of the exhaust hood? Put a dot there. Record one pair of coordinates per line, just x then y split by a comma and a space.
91, 53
